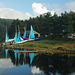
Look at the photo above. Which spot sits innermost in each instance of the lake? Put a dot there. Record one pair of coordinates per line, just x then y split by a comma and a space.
13, 63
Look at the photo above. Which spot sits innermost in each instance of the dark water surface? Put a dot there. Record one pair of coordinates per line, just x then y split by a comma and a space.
12, 63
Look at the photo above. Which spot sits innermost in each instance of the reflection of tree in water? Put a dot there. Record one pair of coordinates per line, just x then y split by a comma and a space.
48, 63
55, 63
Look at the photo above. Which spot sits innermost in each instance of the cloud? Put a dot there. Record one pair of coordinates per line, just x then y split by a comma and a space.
70, 6
6, 63
35, 70
51, 6
38, 9
1, 5
58, 11
41, 8
9, 13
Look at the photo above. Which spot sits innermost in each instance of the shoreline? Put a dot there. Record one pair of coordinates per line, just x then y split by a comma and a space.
47, 46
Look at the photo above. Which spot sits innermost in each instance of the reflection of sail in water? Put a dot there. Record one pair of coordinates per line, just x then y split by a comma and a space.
24, 54
6, 52
31, 55
16, 53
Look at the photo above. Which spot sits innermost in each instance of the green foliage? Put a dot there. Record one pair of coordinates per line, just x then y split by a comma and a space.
45, 24
3, 24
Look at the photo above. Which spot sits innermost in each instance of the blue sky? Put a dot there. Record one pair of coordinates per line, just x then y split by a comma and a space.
30, 8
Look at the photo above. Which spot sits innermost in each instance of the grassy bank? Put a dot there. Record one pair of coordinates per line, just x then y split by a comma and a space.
47, 45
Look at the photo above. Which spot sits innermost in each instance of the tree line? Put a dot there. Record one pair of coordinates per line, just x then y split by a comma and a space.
55, 27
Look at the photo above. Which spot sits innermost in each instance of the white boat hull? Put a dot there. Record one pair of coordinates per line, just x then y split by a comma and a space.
21, 42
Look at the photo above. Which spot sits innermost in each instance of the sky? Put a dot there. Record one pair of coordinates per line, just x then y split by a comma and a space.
24, 9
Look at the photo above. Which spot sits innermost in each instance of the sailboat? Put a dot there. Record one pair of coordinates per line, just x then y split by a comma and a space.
6, 38
16, 38
31, 35
19, 38
24, 36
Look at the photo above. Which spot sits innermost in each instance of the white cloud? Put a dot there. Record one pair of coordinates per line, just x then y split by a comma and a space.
41, 8
35, 70
9, 13
38, 9
70, 6
53, 8
6, 63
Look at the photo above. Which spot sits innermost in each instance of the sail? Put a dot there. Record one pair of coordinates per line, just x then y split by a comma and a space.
24, 36
32, 33
6, 38
15, 37
21, 39
18, 36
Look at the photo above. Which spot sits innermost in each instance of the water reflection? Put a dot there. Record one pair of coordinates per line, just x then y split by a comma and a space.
31, 55
21, 58
35, 63
6, 63
63, 65
36, 70
24, 55
6, 52
16, 53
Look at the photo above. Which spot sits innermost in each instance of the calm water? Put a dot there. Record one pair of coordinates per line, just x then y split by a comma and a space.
12, 63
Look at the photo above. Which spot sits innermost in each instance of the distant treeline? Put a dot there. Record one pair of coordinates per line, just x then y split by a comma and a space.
54, 27
3, 24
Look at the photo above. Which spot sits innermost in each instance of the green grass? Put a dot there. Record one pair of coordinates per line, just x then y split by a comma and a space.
50, 44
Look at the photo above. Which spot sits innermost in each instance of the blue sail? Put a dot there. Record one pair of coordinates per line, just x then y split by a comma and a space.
24, 36
18, 39
31, 55
32, 32
6, 38
31, 35
21, 39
